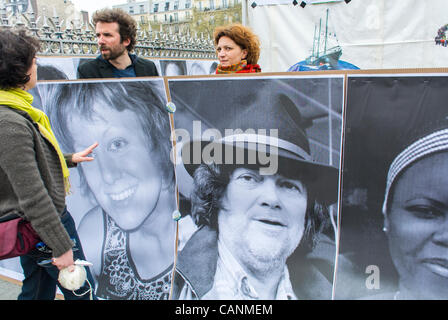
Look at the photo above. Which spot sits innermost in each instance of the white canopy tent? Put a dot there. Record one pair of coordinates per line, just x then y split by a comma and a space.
373, 34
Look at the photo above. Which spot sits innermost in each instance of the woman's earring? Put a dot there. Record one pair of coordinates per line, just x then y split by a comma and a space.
385, 229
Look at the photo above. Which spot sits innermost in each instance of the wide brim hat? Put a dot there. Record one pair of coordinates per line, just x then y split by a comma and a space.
255, 136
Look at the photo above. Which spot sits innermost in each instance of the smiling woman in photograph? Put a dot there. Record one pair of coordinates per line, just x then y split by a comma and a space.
416, 215
130, 231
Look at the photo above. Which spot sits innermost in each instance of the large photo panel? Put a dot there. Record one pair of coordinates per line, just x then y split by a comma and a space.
122, 201
257, 163
394, 216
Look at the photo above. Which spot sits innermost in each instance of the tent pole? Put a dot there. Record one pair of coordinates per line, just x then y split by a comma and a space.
244, 12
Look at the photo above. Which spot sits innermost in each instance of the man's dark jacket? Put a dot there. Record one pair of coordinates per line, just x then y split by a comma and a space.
311, 275
100, 68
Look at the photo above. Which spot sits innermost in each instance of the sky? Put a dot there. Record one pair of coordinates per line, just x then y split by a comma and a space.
92, 5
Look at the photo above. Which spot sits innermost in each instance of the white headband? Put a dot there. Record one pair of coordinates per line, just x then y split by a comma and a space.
434, 142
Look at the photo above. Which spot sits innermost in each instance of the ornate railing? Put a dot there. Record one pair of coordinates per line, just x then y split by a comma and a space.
75, 38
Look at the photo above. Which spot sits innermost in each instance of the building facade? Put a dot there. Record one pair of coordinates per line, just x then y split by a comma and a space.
57, 11
184, 16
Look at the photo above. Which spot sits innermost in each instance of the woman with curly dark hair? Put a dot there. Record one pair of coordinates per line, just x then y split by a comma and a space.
238, 49
34, 173
129, 231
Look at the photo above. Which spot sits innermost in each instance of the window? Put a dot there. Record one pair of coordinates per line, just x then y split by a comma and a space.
167, 6
156, 7
142, 8
225, 4
187, 4
176, 5
176, 17
131, 10
212, 4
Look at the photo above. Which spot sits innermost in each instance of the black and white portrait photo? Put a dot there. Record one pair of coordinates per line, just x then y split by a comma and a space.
124, 200
201, 67
394, 212
258, 159
173, 67
191, 67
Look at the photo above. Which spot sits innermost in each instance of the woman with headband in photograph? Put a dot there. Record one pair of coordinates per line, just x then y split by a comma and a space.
416, 215
129, 230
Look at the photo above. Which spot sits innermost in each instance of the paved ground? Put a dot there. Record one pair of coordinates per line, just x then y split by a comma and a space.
9, 290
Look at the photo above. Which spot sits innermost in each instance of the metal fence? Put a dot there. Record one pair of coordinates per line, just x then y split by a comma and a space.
70, 38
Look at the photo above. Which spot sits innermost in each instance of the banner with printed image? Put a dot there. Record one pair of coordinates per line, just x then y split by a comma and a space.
363, 34
65, 68
277, 224
393, 211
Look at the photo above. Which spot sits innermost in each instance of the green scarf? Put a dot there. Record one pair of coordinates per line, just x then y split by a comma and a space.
21, 100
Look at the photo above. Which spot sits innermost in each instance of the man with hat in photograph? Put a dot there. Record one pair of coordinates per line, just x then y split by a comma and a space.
256, 229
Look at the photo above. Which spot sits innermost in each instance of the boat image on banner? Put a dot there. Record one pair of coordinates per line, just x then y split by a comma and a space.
325, 53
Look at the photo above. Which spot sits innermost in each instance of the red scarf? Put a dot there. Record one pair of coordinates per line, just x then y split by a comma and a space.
241, 67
